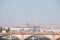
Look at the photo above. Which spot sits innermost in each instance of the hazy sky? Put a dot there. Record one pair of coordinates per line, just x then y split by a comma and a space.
16, 13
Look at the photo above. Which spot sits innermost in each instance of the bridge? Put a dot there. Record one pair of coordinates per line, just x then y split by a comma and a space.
33, 35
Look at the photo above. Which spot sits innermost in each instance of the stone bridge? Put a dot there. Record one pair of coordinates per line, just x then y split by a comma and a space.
35, 36
50, 36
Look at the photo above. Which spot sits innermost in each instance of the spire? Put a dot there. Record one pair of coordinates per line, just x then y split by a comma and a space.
28, 24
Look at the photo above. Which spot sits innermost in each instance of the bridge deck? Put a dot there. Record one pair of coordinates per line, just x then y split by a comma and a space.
29, 33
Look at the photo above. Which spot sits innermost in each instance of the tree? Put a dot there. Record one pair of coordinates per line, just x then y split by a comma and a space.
8, 30
0, 29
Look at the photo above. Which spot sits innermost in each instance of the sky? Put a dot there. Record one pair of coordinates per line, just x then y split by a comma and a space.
16, 13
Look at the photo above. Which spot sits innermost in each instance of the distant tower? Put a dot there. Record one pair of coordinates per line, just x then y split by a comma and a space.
28, 24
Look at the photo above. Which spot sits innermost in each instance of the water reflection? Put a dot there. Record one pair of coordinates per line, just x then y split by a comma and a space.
2, 39
8, 38
36, 38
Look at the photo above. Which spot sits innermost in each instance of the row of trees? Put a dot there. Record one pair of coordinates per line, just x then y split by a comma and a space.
7, 30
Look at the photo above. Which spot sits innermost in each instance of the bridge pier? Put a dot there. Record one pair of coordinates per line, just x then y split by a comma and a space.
53, 37
22, 37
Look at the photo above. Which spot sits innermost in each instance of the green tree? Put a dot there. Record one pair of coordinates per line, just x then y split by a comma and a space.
0, 29
8, 30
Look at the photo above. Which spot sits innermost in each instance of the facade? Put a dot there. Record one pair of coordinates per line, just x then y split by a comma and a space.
36, 29
32, 29
27, 29
3, 30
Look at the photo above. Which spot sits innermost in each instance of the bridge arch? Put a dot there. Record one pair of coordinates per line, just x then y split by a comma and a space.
58, 38
15, 38
37, 37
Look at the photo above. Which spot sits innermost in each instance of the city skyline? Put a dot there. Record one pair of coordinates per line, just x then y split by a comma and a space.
15, 13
